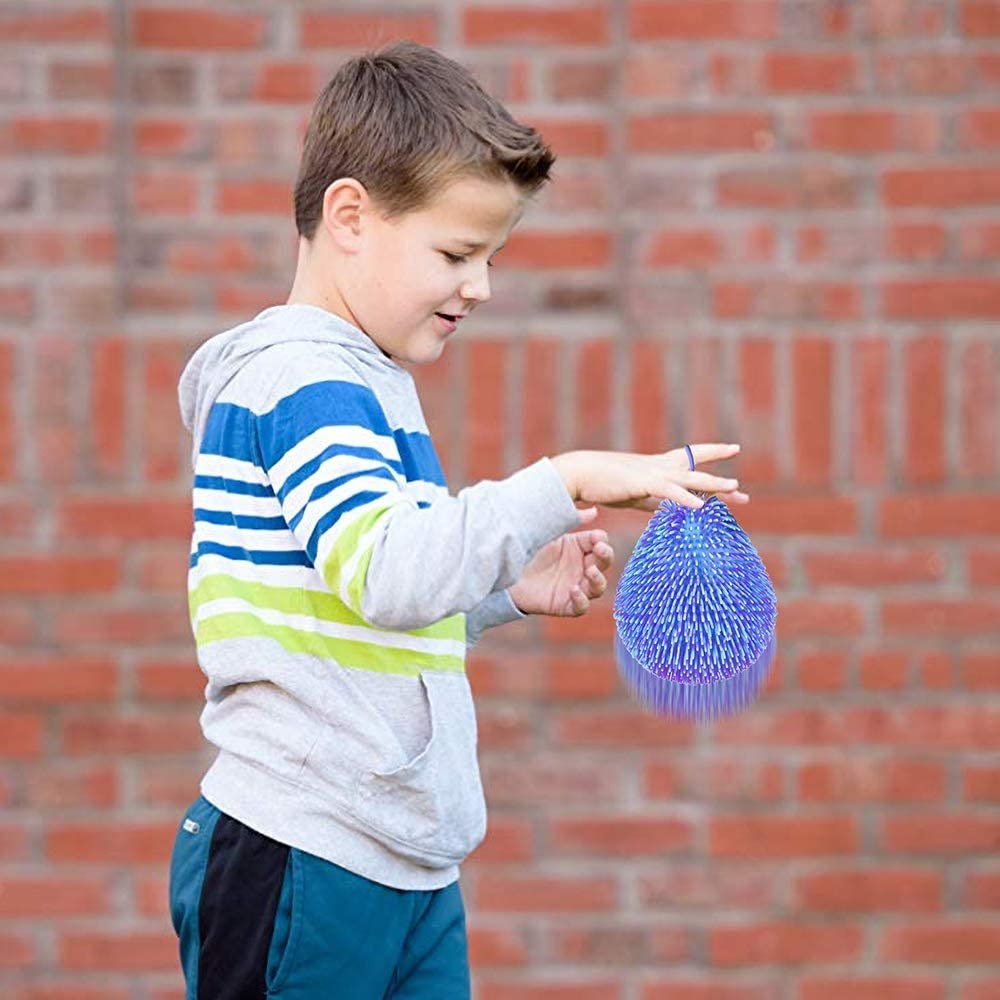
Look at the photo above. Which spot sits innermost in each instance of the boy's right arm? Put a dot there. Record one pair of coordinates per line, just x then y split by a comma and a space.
402, 564
628, 479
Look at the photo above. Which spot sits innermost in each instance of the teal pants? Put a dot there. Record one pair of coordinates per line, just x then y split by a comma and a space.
256, 918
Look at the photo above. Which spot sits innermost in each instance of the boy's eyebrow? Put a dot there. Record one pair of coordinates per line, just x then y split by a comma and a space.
473, 245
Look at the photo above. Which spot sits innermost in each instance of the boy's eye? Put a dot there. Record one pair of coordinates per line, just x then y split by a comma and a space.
457, 258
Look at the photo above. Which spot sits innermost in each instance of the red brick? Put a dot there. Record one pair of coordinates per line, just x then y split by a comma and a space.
783, 186
660, 73
22, 735
288, 82
540, 894
875, 891
940, 187
873, 567
53, 896
981, 783
118, 843
777, 836
957, 833
578, 138
783, 943
507, 840
78, 80
59, 574
539, 395
77, 135
486, 362
953, 942
948, 515
926, 364
871, 780
592, 420
628, 836
165, 137
670, 19
684, 248
875, 987
260, 197
533, 26
916, 241
57, 680
363, 31
161, 680
190, 28
576, 249
75, 784
981, 890
979, 452
792, 72
980, 18
620, 728
699, 132
125, 951
648, 404
940, 616
38, 26
565, 989
131, 735
16, 951
579, 677
125, 519
938, 298
581, 81
540, 780
165, 194
924, 72
497, 947
853, 131
679, 885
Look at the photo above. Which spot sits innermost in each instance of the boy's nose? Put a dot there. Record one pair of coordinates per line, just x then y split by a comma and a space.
477, 291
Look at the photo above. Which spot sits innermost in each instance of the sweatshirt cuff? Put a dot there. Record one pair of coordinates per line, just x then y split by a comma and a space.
495, 609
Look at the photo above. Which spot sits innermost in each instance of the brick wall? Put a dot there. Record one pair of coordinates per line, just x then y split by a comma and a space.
776, 223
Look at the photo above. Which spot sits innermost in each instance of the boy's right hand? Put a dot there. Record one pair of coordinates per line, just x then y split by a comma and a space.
627, 479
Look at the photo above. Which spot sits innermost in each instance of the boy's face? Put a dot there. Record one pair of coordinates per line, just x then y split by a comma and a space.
400, 274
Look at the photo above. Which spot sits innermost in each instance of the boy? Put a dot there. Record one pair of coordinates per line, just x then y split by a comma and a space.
335, 584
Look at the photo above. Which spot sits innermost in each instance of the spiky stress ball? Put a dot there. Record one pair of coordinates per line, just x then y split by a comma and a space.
695, 614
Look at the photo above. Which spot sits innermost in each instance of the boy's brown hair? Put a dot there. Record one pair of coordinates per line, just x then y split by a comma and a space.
405, 121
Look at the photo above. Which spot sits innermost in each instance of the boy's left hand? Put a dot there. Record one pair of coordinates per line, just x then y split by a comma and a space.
565, 575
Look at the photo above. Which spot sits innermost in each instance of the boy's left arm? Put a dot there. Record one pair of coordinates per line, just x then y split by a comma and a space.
562, 579
497, 608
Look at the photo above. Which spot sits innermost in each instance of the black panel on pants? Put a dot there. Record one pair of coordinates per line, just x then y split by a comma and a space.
239, 899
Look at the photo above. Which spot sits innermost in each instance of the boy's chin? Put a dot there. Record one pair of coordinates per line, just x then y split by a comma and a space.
419, 354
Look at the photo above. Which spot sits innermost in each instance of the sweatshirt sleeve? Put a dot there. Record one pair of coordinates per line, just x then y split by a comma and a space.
334, 464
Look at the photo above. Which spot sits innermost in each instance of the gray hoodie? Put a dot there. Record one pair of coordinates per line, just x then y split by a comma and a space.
335, 585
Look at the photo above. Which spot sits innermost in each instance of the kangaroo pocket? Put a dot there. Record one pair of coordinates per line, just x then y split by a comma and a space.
430, 808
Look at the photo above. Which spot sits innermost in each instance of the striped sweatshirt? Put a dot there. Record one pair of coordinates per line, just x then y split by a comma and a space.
334, 587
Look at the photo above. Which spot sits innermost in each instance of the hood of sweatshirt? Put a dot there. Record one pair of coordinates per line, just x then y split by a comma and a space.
215, 363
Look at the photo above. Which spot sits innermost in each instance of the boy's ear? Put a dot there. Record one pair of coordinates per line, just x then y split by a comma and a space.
344, 203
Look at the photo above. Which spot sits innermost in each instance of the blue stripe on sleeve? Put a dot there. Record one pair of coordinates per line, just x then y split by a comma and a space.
229, 431
321, 404
283, 558
232, 486
240, 520
304, 472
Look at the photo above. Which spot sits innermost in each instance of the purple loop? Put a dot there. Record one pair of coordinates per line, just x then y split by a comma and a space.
691, 462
